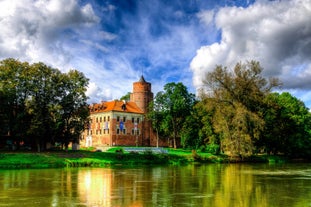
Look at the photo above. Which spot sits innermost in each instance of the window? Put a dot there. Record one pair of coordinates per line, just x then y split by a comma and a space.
100, 119
108, 118
106, 125
135, 121
124, 119
119, 131
104, 119
118, 118
135, 132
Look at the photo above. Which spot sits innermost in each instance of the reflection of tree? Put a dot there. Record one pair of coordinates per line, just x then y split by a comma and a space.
241, 185
36, 187
218, 185
237, 189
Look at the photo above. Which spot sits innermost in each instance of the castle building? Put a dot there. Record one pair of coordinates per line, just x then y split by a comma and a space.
122, 123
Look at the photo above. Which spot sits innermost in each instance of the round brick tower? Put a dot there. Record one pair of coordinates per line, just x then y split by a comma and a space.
142, 94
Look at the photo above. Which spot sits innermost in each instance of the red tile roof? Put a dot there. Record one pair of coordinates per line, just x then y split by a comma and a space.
130, 107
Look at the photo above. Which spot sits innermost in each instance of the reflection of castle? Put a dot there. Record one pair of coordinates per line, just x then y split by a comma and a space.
122, 123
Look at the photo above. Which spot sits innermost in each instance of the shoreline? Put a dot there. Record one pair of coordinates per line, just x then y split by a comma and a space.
117, 157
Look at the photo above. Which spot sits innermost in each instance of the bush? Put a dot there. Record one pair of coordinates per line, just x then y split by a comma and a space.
213, 149
118, 150
196, 156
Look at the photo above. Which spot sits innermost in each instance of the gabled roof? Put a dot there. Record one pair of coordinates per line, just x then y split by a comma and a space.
130, 107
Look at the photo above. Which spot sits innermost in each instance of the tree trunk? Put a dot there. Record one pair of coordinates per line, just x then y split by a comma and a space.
174, 138
175, 146
157, 138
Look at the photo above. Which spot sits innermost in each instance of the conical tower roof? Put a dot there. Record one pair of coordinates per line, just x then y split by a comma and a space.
142, 79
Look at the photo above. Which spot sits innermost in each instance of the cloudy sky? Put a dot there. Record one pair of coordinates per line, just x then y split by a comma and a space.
114, 42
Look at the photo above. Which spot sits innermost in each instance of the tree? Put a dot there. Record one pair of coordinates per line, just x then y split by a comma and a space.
238, 100
43, 83
13, 93
156, 116
40, 104
126, 97
191, 133
73, 108
197, 131
174, 104
288, 126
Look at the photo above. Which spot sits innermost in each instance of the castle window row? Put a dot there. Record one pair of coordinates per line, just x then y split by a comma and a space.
104, 119
101, 119
134, 119
135, 131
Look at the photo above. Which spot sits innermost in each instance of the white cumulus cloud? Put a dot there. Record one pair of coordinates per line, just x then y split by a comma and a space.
38, 30
276, 33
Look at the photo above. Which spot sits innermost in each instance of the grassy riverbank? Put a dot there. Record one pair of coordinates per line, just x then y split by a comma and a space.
19, 160
113, 157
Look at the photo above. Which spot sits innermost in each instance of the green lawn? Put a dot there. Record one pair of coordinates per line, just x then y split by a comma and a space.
114, 157
82, 158
198, 156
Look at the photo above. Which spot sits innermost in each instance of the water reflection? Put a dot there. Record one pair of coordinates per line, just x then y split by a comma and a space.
193, 185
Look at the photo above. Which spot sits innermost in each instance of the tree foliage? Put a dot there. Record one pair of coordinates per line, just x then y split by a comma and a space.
171, 107
237, 99
237, 113
126, 97
288, 126
39, 104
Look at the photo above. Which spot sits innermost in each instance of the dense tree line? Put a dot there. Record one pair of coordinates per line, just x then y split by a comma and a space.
237, 114
41, 105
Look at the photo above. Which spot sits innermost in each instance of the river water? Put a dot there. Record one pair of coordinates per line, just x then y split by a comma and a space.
211, 185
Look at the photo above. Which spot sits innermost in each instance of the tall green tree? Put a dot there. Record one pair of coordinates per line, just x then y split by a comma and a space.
198, 131
174, 104
156, 116
288, 126
43, 81
191, 131
238, 96
73, 109
40, 104
13, 94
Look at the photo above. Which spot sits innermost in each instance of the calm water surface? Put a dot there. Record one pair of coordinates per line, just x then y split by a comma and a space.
219, 185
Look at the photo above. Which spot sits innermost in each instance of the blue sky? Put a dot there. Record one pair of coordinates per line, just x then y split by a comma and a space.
114, 42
